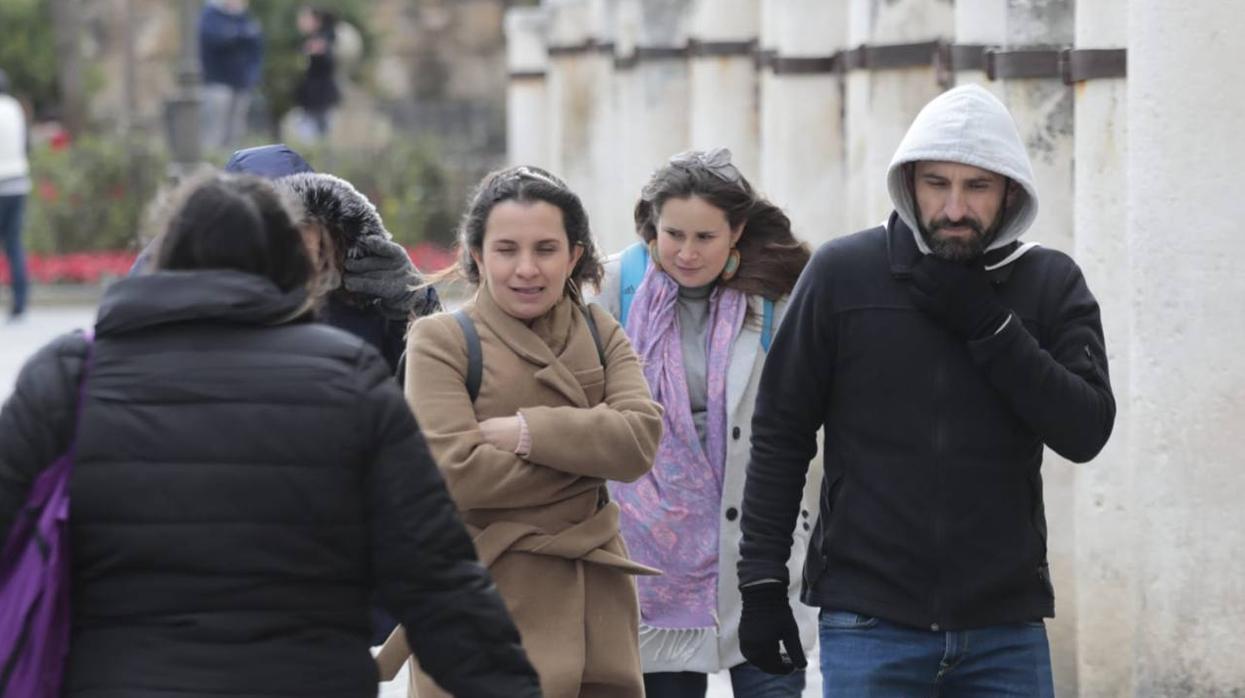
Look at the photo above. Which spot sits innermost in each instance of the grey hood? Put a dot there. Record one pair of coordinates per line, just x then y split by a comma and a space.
970, 126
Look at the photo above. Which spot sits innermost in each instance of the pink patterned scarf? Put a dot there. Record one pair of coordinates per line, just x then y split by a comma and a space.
670, 516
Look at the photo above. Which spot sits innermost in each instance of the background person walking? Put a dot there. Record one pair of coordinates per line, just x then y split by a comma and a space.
231, 53
14, 187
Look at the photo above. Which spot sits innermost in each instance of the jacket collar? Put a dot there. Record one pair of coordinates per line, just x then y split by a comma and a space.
166, 297
903, 253
555, 343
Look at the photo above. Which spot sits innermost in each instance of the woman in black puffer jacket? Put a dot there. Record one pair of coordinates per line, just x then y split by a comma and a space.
244, 479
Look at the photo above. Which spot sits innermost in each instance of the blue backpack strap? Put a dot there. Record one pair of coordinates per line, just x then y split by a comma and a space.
475, 358
767, 325
634, 264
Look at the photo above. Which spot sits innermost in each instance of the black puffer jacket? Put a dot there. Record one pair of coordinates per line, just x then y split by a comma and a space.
240, 487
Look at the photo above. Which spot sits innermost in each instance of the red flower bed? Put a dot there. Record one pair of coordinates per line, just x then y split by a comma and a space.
96, 267
75, 268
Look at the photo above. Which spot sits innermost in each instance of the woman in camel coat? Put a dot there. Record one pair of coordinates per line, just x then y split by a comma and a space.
557, 416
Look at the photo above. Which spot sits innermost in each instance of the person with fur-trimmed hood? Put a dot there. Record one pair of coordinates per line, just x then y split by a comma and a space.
941, 355
380, 289
376, 288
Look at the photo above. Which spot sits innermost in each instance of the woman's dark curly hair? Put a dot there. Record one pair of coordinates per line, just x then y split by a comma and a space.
527, 184
771, 258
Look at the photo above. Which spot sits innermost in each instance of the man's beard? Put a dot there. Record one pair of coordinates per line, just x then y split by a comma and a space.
958, 249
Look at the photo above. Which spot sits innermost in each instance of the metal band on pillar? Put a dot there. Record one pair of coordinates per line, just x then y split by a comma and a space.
804, 65
521, 75
564, 50
1026, 63
651, 53
891, 56
1070, 65
701, 49
1094, 64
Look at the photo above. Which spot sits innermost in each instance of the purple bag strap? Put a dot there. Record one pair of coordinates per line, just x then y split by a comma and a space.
88, 362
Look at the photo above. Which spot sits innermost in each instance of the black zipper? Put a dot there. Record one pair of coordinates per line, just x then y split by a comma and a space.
940, 533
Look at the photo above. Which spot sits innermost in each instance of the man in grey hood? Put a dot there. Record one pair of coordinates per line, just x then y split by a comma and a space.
941, 355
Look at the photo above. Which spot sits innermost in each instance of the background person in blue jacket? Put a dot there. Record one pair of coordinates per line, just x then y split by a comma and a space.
231, 53
940, 355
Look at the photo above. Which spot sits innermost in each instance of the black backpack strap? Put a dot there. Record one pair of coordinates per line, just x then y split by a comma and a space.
596, 334
475, 359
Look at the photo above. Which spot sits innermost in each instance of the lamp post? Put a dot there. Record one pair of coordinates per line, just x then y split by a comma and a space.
184, 107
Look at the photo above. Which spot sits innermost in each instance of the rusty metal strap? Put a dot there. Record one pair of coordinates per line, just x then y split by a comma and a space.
699, 48
888, 56
804, 65
1003, 64
660, 53
586, 46
1081, 64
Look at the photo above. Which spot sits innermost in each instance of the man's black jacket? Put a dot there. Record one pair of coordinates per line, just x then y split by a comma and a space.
931, 512
241, 485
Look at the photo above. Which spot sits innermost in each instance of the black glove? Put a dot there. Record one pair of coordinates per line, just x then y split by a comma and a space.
959, 295
380, 268
766, 620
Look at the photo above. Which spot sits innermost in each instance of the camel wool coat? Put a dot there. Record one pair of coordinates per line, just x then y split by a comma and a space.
544, 524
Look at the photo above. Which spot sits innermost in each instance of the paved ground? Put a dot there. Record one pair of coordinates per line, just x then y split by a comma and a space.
719, 686
19, 341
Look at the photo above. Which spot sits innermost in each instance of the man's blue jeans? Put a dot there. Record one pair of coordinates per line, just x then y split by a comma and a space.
866, 657
12, 209
747, 681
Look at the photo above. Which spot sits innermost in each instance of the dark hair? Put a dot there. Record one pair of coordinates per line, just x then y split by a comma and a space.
525, 184
325, 18
771, 258
240, 222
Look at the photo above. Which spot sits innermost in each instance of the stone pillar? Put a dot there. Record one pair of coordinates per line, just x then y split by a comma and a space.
630, 173
526, 97
803, 166
1042, 108
724, 109
978, 23
656, 94
613, 196
882, 101
1188, 399
1106, 507
571, 98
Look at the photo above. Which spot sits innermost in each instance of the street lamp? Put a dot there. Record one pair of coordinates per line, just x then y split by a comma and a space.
183, 108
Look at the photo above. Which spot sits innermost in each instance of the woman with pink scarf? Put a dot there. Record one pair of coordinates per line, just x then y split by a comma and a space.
699, 297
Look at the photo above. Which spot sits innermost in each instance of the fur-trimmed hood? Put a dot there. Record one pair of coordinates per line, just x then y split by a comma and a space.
333, 202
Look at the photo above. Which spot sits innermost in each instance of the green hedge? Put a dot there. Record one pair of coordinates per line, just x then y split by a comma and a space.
94, 194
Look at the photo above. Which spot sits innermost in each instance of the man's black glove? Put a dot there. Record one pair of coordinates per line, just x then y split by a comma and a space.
380, 268
766, 620
959, 295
